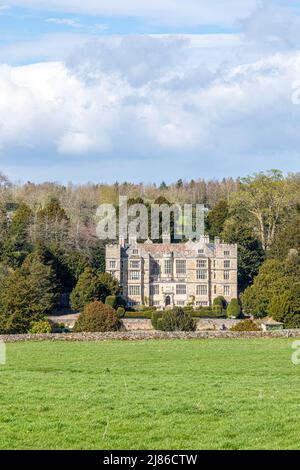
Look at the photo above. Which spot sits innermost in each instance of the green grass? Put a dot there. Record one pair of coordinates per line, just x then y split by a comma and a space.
197, 394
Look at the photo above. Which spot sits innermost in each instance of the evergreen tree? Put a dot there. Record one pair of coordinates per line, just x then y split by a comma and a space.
27, 295
89, 288
234, 309
216, 219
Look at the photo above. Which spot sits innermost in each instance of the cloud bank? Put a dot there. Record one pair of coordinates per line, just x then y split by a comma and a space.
151, 99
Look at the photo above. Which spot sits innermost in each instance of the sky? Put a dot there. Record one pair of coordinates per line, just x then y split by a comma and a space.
148, 90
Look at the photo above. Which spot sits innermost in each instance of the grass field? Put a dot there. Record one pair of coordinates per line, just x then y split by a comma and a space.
197, 394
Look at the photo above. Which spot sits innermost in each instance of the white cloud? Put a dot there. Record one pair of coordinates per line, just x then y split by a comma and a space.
64, 22
189, 12
126, 104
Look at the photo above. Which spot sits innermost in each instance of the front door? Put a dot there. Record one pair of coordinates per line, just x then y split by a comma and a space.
168, 301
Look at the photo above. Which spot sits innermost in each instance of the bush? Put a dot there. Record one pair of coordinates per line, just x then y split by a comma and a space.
115, 301
145, 314
121, 312
234, 309
40, 327
176, 320
97, 317
209, 313
156, 316
59, 328
219, 305
112, 301
246, 325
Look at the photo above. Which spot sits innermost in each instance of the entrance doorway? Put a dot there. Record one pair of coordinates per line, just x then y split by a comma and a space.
168, 301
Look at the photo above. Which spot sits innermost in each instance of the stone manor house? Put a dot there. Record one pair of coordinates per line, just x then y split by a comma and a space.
174, 274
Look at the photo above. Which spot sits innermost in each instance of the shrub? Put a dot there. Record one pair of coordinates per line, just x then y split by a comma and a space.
246, 325
115, 301
208, 313
156, 316
176, 320
88, 289
40, 327
234, 309
121, 312
97, 317
59, 328
112, 301
219, 304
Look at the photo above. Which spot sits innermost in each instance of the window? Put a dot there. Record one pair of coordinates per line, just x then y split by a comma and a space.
226, 253
226, 290
201, 263
180, 303
226, 275
112, 265
201, 304
181, 289
168, 266
227, 264
135, 264
154, 290
135, 252
214, 263
113, 274
134, 275
154, 268
200, 252
156, 303
215, 275
134, 290
180, 266
202, 274
201, 289
215, 290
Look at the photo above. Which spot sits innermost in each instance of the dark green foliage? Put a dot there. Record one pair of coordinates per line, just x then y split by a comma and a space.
97, 317
27, 295
288, 238
246, 325
208, 313
219, 305
88, 289
176, 320
115, 301
285, 307
110, 284
234, 309
250, 251
121, 312
216, 219
278, 282
155, 317
112, 301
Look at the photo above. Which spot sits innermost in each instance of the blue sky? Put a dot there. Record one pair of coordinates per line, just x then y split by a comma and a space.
148, 90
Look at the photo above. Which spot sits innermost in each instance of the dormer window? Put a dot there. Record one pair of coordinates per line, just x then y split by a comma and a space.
135, 252
201, 252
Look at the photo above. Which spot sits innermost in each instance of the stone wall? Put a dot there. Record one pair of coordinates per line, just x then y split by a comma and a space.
141, 324
151, 335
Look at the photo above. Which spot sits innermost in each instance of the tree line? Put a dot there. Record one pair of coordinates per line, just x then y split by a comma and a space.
50, 255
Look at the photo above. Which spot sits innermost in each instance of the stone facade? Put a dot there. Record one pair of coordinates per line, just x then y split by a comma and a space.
174, 274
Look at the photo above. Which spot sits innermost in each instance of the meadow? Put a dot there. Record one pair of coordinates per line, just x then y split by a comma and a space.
196, 394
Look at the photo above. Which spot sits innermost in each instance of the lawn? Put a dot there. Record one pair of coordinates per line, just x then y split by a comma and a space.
197, 394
